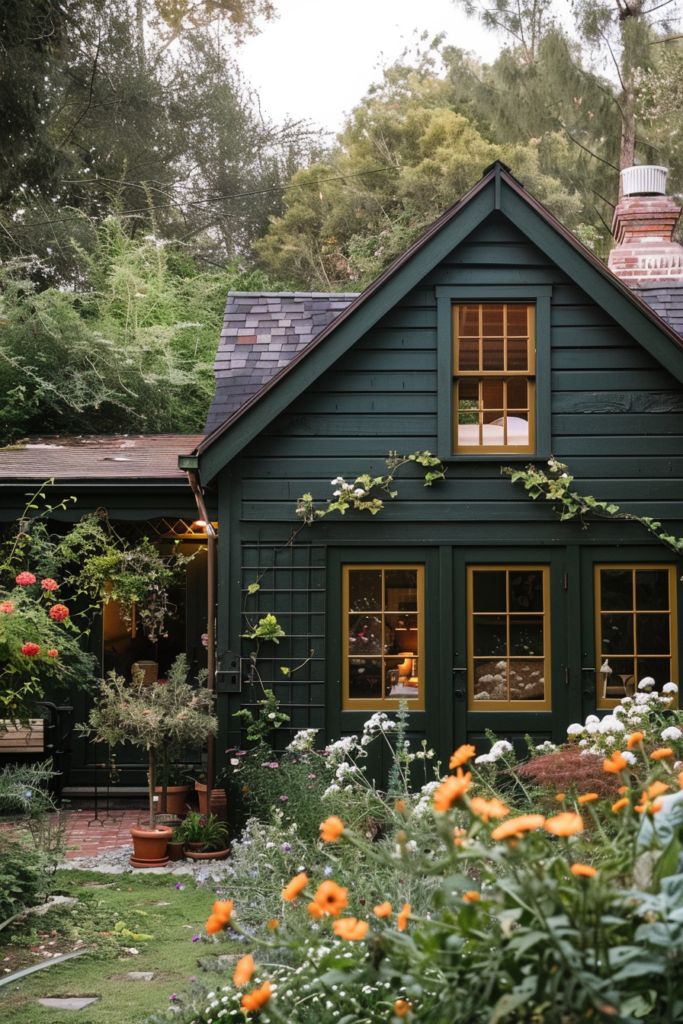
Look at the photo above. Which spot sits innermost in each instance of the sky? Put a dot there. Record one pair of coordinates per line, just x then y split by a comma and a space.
318, 58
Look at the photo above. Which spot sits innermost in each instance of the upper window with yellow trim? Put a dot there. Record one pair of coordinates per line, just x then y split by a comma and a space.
494, 375
635, 628
508, 626
383, 628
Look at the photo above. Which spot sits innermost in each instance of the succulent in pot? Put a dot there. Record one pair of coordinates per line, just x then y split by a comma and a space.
205, 836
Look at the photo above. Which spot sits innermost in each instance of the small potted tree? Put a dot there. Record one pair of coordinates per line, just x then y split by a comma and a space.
159, 718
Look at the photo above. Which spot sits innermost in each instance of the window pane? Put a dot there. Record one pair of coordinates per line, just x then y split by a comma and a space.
365, 634
526, 636
468, 354
652, 589
468, 401
526, 591
365, 678
492, 394
616, 589
617, 678
517, 354
492, 319
401, 633
400, 590
489, 635
402, 679
493, 354
365, 590
527, 680
517, 317
518, 394
468, 320
490, 680
617, 634
658, 668
518, 429
489, 591
652, 634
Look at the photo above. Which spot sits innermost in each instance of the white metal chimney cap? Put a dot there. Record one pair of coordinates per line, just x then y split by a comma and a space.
646, 179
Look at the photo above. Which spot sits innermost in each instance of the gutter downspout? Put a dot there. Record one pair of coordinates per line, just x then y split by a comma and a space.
212, 549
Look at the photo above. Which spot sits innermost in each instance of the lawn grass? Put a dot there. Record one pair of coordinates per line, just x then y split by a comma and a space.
143, 904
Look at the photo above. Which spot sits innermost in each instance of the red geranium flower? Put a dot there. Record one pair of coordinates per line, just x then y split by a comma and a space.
30, 649
49, 584
53, 652
6, 607
59, 612
25, 579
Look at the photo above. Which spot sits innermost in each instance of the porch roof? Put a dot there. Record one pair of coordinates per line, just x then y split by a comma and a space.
127, 458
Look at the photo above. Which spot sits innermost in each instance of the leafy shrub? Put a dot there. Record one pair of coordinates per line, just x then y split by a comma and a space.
24, 879
23, 789
570, 770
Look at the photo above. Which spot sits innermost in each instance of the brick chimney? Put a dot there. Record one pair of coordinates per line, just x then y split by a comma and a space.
643, 226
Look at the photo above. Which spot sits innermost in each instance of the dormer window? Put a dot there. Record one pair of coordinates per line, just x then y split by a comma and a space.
494, 371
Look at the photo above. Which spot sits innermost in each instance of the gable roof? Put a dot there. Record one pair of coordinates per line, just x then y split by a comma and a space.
262, 332
497, 190
130, 459
667, 301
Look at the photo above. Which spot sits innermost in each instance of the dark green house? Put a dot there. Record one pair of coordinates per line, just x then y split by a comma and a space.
496, 339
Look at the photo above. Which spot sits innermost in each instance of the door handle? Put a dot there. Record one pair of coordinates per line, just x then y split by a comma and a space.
459, 694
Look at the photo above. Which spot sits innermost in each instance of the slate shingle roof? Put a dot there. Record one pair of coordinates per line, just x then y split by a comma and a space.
262, 332
667, 300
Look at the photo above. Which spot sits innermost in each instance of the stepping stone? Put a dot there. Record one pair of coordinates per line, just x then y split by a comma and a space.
139, 976
68, 1002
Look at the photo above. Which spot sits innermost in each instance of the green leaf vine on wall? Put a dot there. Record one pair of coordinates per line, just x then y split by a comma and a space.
556, 485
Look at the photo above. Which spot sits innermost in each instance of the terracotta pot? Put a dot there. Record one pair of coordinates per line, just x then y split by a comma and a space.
176, 799
150, 846
219, 801
194, 846
208, 854
176, 851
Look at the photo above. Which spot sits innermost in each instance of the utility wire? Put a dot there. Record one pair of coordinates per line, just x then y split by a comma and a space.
219, 199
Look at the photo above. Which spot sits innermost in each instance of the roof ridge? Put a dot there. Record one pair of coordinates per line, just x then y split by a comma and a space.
294, 295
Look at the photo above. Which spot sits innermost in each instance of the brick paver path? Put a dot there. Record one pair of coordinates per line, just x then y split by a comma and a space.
86, 838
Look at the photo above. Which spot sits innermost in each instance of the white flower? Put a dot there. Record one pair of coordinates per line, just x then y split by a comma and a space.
575, 729
359, 492
629, 756
337, 480
672, 733
335, 494
647, 683
499, 748
669, 688
611, 724
592, 727
484, 759
592, 718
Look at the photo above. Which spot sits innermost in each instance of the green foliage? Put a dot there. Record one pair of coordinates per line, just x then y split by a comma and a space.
267, 717
23, 880
268, 629
23, 789
556, 486
205, 829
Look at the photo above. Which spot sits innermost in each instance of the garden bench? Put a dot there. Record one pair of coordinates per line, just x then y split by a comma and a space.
16, 738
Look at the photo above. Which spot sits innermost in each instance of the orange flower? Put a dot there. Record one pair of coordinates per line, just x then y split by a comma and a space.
588, 798
331, 898
273, 924
462, 755
656, 789
451, 790
400, 806
350, 928
244, 968
257, 998
583, 870
649, 807
295, 886
331, 829
382, 910
458, 834
680, 779
661, 754
471, 896
402, 1008
487, 809
315, 911
560, 797
221, 912
634, 739
623, 790
565, 824
615, 764
620, 804
514, 827
403, 917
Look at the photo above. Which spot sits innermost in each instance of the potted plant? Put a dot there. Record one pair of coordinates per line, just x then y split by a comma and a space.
174, 786
206, 838
219, 799
176, 845
159, 718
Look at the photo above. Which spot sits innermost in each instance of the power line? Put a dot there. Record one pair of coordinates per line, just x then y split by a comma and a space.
219, 199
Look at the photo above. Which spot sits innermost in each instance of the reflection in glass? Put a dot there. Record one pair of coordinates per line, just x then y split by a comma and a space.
489, 635
526, 637
617, 589
526, 591
652, 634
365, 634
365, 590
365, 678
617, 634
652, 589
